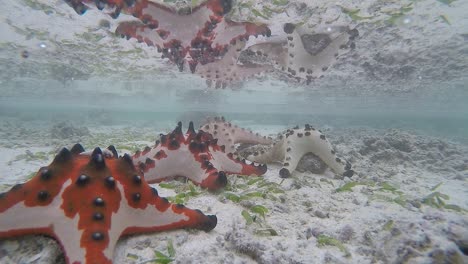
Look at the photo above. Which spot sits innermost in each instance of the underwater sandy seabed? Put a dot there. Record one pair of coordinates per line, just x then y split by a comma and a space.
407, 203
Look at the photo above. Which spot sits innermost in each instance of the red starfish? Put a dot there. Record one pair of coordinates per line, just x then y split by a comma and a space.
88, 202
196, 156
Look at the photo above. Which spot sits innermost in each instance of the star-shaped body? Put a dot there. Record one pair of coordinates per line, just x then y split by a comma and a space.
304, 54
228, 134
199, 35
87, 202
294, 144
196, 156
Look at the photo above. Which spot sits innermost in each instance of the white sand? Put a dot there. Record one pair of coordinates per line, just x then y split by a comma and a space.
309, 207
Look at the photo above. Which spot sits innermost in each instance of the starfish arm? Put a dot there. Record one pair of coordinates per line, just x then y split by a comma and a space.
39, 217
233, 31
243, 136
228, 134
162, 163
16, 205
231, 165
315, 142
310, 55
174, 217
276, 153
140, 32
148, 212
274, 51
231, 73
180, 26
226, 69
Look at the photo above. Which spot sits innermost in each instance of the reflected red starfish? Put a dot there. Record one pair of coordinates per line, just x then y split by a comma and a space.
196, 156
87, 202
198, 36
227, 70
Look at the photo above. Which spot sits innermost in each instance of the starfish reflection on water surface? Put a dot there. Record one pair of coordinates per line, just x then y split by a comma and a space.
198, 36
305, 55
87, 202
203, 40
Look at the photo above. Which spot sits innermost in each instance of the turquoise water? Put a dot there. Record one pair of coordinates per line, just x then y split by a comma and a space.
438, 113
